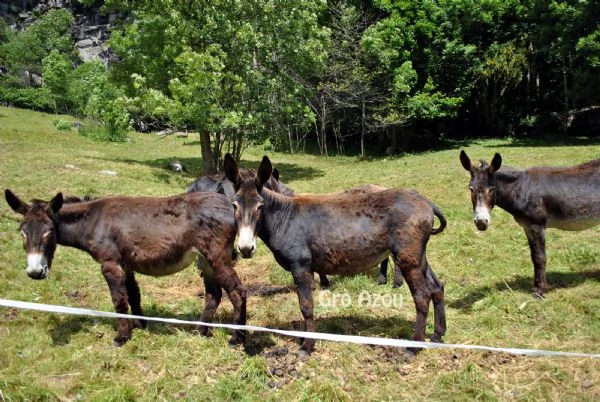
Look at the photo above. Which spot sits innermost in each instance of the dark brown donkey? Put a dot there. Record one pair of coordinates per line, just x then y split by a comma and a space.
151, 236
341, 234
565, 198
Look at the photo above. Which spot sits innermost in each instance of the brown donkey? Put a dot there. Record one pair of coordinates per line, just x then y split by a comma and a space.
341, 234
565, 198
151, 236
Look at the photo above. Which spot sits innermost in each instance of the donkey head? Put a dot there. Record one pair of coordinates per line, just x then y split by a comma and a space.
247, 203
39, 231
483, 187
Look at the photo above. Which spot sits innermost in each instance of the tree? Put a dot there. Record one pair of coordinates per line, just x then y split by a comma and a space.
230, 68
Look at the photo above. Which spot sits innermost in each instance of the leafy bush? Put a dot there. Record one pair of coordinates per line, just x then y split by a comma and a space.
28, 98
62, 125
101, 132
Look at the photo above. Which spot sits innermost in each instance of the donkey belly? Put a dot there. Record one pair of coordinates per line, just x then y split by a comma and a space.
343, 262
167, 267
573, 224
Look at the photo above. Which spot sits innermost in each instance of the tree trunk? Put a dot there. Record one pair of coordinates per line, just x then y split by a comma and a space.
207, 154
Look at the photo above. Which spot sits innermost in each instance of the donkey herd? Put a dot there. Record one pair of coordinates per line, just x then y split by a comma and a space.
342, 233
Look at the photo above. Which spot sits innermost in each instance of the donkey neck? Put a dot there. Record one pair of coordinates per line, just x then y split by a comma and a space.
73, 224
276, 213
508, 181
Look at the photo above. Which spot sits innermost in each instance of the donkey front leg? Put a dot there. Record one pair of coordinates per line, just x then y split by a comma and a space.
536, 237
228, 279
134, 298
212, 298
303, 281
116, 279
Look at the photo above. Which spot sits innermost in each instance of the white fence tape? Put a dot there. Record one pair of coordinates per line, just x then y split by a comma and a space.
365, 340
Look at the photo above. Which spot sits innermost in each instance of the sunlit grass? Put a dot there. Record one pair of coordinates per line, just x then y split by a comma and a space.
487, 277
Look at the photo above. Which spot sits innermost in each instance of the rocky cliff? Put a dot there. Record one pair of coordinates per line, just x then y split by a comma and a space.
91, 29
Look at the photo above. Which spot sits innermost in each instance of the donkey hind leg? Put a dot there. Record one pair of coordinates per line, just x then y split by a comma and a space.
116, 279
383, 269
536, 237
134, 299
324, 281
398, 278
303, 281
413, 274
439, 309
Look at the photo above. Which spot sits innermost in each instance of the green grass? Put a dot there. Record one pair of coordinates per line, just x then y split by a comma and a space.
487, 275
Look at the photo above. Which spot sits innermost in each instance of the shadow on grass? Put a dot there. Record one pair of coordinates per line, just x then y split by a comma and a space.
289, 171
549, 141
520, 283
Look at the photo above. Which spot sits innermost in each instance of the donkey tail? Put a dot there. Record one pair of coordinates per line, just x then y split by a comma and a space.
438, 212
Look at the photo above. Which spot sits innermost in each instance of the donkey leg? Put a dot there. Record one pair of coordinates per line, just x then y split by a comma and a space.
398, 278
536, 237
383, 269
212, 298
439, 309
229, 280
115, 278
324, 281
134, 299
421, 294
303, 281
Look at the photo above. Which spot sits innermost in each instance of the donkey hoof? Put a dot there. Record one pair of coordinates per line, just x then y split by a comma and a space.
537, 292
410, 354
303, 355
236, 340
118, 341
436, 338
201, 331
381, 281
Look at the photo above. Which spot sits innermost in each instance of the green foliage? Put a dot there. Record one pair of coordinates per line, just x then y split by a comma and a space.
30, 98
62, 125
28, 48
100, 132
56, 72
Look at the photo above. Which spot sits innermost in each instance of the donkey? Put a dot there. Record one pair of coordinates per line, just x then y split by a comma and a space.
341, 234
148, 235
565, 198
219, 183
383, 269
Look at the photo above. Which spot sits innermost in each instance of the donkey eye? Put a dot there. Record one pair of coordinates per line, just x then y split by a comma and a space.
471, 188
235, 205
23, 234
491, 189
46, 234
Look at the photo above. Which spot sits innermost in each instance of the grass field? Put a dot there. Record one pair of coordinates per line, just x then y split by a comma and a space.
487, 275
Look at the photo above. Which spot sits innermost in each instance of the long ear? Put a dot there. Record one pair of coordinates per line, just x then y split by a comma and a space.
465, 161
231, 171
495, 163
264, 172
55, 204
275, 174
15, 203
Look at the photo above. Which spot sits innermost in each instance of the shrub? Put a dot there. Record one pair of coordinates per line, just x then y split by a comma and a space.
62, 125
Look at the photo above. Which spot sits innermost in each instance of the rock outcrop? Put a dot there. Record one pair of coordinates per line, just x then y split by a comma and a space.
90, 31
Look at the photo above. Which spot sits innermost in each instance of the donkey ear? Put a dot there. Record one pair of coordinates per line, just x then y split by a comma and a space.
231, 171
495, 163
275, 174
465, 161
264, 172
55, 204
15, 203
